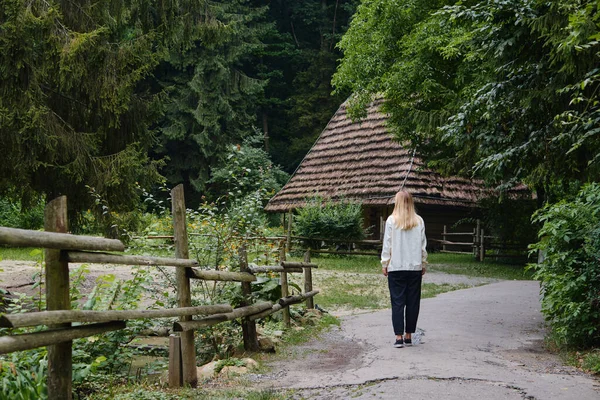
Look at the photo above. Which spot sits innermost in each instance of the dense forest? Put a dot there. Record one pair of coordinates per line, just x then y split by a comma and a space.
113, 97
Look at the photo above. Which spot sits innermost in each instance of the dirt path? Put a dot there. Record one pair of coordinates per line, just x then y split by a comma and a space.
480, 342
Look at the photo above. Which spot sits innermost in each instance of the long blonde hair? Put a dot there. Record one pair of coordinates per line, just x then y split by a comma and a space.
404, 213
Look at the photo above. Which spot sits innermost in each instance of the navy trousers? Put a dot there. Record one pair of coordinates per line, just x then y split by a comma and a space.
405, 293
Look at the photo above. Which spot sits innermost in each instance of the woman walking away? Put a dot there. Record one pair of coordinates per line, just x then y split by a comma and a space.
403, 261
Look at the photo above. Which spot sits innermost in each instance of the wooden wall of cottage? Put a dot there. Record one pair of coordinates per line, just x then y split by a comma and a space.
435, 217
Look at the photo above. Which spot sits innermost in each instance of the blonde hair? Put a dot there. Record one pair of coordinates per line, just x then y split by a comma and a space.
404, 213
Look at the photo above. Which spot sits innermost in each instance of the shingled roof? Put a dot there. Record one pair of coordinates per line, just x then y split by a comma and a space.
360, 161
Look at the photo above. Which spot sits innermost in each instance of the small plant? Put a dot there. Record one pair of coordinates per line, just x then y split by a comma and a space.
229, 362
325, 219
24, 377
591, 362
14, 215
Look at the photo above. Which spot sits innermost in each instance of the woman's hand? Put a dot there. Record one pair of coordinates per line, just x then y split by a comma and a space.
423, 270
384, 271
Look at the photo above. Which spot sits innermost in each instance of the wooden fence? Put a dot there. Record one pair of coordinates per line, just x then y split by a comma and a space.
479, 244
62, 248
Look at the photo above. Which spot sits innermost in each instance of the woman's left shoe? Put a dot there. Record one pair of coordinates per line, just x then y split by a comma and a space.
408, 342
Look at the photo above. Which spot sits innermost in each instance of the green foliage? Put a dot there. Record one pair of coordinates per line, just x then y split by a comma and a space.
509, 220
75, 108
211, 94
96, 359
229, 362
329, 220
591, 362
23, 376
145, 394
247, 169
14, 215
298, 60
570, 272
219, 230
506, 91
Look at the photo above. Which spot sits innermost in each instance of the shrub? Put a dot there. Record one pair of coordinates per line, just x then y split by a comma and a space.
328, 220
570, 272
14, 215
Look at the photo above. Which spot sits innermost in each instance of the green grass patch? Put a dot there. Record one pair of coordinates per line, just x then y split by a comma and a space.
20, 253
333, 262
590, 361
357, 295
587, 360
429, 290
461, 264
367, 292
295, 337
465, 264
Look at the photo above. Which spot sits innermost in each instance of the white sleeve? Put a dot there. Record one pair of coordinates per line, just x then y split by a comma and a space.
423, 245
386, 252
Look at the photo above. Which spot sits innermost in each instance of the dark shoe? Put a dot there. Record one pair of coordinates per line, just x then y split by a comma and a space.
408, 342
399, 343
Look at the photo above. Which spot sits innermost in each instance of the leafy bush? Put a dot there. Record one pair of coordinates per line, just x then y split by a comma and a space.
570, 272
13, 215
24, 376
246, 169
509, 219
328, 220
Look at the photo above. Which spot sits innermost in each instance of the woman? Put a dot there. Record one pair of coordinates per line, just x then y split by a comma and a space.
403, 260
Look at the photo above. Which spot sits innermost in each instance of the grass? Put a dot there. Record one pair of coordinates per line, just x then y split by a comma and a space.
368, 292
296, 337
590, 361
333, 262
587, 360
356, 282
20, 253
462, 264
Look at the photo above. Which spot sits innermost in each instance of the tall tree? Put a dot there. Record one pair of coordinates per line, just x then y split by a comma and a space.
298, 61
212, 98
75, 102
502, 90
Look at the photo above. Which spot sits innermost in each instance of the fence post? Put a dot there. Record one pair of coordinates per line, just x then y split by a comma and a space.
284, 287
175, 370
476, 240
308, 280
482, 246
248, 327
60, 362
289, 231
475, 243
444, 239
184, 296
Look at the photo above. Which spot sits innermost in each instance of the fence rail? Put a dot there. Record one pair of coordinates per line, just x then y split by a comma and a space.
62, 248
479, 245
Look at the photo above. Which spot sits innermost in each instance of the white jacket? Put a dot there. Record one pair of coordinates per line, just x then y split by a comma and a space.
404, 250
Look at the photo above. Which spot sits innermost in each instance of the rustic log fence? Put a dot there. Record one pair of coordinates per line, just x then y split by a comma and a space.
62, 248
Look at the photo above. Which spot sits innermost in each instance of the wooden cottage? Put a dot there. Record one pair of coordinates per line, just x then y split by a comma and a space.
361, 162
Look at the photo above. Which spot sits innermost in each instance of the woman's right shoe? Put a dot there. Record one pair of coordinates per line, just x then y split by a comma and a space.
399, 343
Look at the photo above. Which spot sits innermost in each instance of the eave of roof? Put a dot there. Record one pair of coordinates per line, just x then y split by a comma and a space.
360, 161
